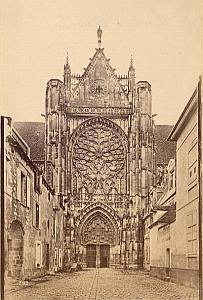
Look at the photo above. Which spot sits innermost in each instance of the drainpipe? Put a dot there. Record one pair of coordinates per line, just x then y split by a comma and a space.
199, 111
2, 206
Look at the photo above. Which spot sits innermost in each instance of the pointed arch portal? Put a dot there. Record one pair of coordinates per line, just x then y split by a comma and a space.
98, 232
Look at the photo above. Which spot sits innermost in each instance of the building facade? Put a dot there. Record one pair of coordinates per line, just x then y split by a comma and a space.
100, 160
34, 221
185, 256
173, 217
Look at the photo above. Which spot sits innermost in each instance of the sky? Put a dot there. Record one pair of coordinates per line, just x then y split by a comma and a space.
163, 36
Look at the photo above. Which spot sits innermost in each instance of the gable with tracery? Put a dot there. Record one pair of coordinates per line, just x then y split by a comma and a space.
99, 86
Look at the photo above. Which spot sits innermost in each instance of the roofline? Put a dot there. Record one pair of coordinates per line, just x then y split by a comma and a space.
187, 111
19, 139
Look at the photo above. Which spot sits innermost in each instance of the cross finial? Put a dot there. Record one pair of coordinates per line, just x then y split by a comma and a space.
99, 35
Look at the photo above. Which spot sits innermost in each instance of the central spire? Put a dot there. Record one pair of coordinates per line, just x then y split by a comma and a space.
99, 35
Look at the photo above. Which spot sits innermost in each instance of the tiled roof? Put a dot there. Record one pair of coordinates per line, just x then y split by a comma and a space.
165, 149
33, 133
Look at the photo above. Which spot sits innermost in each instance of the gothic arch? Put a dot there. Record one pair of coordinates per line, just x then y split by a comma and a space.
101, 216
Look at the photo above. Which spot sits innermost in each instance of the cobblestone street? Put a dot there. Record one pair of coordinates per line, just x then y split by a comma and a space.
108, 284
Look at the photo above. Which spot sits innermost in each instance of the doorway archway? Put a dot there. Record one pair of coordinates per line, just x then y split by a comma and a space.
15, 250
98, 232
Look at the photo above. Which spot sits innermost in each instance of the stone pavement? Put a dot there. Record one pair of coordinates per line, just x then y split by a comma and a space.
98, 284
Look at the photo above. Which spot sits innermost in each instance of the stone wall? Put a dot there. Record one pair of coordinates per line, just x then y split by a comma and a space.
21, 205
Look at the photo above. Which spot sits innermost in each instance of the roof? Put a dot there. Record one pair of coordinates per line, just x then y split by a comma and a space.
184, 117
166, 150
34, 135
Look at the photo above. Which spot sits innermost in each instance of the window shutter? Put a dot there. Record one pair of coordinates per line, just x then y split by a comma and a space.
34, 213
18, 184
28, 191
38, 254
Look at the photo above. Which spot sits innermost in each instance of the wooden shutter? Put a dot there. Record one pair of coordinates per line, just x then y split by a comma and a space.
28, 191
34, 213
18, 184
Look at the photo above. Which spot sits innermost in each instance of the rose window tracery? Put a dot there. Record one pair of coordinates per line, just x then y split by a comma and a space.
99, 88
98, 160
98, 153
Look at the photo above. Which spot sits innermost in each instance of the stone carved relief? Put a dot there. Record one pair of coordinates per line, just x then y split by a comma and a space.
98, 223
98, 230
121, 111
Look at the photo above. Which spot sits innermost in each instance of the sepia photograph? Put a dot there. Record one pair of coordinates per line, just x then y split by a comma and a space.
101, 149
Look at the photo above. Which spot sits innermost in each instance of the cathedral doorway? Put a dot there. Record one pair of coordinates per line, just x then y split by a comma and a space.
97, 256
104, 256
91, 256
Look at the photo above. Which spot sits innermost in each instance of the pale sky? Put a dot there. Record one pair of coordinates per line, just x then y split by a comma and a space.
163, 37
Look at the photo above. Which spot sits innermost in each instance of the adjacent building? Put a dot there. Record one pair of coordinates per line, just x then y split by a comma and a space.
185, 256
171, 235
34, 221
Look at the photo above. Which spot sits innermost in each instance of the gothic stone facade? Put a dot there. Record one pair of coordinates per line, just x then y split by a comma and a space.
100, 159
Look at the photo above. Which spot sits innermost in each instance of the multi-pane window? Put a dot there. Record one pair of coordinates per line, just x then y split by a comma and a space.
192, 233
23, 187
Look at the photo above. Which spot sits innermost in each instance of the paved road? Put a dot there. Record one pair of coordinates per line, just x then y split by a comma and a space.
98, 284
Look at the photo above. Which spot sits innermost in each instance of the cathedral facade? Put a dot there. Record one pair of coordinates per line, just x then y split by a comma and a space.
100, 160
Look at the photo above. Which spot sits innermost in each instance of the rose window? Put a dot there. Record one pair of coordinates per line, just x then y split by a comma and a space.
98, 153
98, 88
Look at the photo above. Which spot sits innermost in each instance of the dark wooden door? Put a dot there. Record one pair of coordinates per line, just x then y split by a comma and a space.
104, 256
91, 256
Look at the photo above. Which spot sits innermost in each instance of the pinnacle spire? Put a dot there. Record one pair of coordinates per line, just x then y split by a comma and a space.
99, 35
131, 61
67, 59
